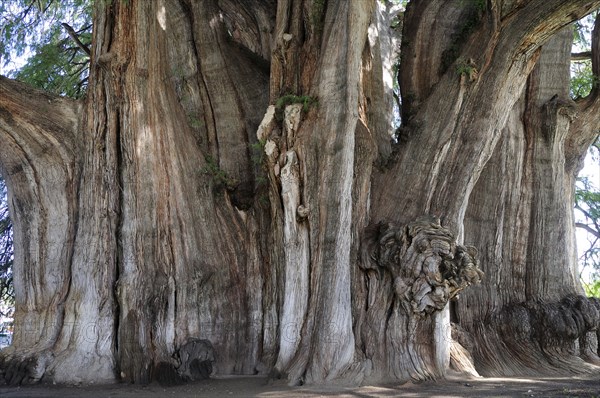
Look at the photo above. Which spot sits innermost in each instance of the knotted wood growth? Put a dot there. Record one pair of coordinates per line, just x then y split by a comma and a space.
427, 266
411, 273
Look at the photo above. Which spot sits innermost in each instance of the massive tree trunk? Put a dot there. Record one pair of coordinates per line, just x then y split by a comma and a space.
532, 319
231, 177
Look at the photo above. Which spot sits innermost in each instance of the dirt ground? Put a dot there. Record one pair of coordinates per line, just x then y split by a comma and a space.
258, 387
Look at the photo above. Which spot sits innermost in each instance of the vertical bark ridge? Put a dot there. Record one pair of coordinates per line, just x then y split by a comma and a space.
231, 148
333, 346
549, 124
327, 344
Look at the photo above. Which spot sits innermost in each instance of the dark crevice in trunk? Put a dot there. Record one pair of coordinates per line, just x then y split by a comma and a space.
212, 149
118, 238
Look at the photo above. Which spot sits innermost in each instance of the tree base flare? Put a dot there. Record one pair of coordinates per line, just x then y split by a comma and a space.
23, 370
539, 339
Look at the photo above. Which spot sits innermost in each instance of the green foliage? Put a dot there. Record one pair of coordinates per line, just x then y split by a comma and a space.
195, 122
34, 30
7, 293
52, 70
289, 99
219, 176
582, 31
592, 289
582, 79
257, 152
588, 196
466, 68
306, 101
396, 22
587, 206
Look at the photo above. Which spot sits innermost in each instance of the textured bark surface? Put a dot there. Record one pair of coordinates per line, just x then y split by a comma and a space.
40, 162
229, 198
531, 319
411, 272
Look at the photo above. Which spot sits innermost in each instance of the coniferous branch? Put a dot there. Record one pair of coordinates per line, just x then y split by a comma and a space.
71, 32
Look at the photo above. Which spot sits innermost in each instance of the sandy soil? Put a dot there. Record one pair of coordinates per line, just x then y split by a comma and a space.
259, 387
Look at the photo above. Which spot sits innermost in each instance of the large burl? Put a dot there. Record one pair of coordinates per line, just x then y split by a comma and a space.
428, 268
409, 274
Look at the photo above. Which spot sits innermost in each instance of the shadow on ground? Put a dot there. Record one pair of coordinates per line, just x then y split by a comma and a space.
258, 387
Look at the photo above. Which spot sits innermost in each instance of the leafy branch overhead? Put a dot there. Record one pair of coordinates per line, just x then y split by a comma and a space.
587, 197
54, 38
587, 210
582, 76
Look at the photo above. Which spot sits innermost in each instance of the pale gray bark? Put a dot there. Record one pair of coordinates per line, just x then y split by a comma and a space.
296, 245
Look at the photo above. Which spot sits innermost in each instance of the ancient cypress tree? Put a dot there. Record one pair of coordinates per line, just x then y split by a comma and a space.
234, 174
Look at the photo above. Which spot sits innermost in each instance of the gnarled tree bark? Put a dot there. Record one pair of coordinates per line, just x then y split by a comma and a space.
229, 196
